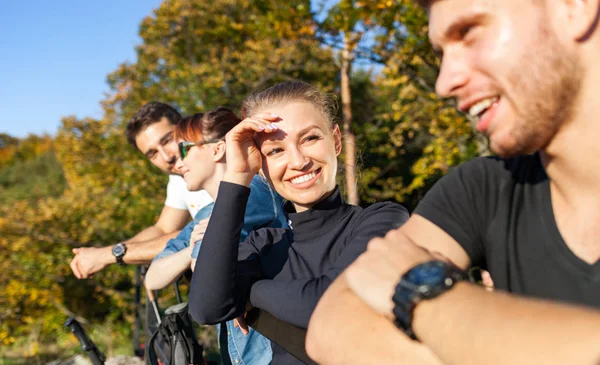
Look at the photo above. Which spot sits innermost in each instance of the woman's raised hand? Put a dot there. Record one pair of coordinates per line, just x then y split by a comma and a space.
243, 156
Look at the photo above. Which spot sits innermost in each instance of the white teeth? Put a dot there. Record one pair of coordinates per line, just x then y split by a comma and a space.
303, 178
478, 108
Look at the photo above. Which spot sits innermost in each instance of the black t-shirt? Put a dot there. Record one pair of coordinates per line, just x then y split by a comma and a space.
500, 212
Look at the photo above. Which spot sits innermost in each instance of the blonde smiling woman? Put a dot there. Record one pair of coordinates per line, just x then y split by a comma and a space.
290, 135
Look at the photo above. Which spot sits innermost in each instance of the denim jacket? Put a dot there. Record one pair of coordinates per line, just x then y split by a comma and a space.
264, 209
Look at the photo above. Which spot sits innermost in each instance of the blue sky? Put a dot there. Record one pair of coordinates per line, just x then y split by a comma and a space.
55, 55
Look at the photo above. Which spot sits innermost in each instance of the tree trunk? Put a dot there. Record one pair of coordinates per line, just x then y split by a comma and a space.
348, 136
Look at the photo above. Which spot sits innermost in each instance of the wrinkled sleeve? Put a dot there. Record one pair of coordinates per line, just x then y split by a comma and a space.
294, 301
457, 205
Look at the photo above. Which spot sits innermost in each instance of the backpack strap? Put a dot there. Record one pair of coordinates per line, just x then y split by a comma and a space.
150, 357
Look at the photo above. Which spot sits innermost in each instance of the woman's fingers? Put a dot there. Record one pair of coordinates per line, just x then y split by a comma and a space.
259, 125
264, 122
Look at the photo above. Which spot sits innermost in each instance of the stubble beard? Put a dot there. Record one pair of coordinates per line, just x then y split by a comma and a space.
546, 87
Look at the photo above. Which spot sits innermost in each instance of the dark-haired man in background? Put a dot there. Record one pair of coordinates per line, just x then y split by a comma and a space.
150, 130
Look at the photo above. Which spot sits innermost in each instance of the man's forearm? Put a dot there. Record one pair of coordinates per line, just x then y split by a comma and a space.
469, 325
147, 234
89, 260
142, 252
344, 330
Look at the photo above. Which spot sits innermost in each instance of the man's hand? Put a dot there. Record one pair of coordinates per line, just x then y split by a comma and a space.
375, 274
90, 260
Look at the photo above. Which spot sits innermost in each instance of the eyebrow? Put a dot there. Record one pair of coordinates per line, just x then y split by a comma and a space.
300, 133
309, 128
160, 141
164, 138
455, 26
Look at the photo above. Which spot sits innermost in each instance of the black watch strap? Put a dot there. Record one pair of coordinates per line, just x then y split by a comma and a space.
409, 291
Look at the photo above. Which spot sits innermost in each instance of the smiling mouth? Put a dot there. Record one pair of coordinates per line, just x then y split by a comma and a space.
304, 178
481, 107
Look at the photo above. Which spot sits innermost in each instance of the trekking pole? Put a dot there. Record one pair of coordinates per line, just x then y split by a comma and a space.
87, 344
177, 293
154, 302
138, 349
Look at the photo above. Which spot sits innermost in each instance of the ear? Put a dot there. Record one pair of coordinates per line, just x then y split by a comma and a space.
337, 139
218, 151
582, 18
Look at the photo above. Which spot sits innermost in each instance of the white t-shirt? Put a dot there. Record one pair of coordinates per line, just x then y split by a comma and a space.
179, 197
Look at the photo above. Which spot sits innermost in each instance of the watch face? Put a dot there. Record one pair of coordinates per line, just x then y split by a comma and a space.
118, 250
429, 274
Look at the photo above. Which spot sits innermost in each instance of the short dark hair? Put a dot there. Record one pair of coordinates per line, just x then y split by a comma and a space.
147, 115
205, 126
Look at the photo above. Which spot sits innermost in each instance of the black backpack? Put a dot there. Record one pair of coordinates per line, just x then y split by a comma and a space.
177, 332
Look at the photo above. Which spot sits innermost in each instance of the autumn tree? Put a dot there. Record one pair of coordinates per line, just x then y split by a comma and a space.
87, 186
195, 55
410, 137
198, 55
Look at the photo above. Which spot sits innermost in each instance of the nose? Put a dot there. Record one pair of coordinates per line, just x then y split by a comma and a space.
297, 159
454, 74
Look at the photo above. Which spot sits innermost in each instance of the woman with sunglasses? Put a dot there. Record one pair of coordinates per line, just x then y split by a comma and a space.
203, 161
290, 135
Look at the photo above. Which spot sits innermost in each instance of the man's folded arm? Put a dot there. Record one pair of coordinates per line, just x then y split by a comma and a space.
344, 330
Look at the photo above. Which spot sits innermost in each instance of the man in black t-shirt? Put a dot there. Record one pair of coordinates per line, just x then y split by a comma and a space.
528, 72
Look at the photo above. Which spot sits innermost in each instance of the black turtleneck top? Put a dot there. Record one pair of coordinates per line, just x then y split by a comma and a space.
283, 271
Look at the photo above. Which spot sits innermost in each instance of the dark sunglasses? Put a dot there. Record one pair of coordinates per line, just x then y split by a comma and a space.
184, 147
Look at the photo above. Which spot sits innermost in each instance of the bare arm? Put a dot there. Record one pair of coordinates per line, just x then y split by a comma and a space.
499, 328
171, 220
166, 270
344, 342
344, 330
141, 248
491, 327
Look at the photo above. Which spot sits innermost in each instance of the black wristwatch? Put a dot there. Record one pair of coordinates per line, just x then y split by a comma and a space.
424, 281
118, 252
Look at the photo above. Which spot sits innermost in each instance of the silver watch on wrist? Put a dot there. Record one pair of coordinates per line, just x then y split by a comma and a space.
119, 251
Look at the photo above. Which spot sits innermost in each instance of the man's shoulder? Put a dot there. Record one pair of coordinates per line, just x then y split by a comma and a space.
519, 169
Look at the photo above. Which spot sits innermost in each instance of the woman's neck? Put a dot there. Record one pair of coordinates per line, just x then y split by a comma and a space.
304, 207
212, 183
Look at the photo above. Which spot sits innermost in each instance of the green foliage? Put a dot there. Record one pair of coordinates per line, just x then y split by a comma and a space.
32, 179
87, 186
199, 55
411, 137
